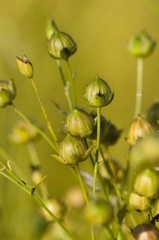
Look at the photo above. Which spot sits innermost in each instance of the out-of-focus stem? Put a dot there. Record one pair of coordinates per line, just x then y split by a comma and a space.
139, 86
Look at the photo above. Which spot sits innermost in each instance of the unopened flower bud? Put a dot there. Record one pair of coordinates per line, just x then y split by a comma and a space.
7, 92
50, 28
72, 150
99, 212
137, 202
147, 183
25, 66
56, 207
145, 231
80, 123
61, 45
23, 132
141, 45
145, 153
98, 93
74, 198
139, 129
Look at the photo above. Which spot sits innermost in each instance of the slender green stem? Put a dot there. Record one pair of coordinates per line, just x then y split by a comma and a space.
108, 169
43, 110
95, 178
6, 157
82, 184
86, 198
10, 175
92, 233
65, 230
66, 85
36, 128
72, 83
36, 163
68, 97
109, 230
97, 149
100, 179
139, 86
61, 71
98, 133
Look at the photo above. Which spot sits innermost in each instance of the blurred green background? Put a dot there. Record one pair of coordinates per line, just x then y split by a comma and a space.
101, 29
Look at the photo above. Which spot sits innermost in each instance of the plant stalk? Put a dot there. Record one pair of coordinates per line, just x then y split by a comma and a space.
72, 84
82, 184
20, 114
97, 149
139, 86
66, 85
43, 110
10, 175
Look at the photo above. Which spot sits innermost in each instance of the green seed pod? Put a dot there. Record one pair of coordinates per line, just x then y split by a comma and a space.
56, 207
61, 45
25, 66
145, 153
98, 93
145, 231
7, 92
72, 150
50, 28
137, 202
139, 129
99, 212
80, 123
23, 132
147, 183
74, 198
141, 45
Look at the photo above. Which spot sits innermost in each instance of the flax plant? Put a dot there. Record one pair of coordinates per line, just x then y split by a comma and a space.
118, 203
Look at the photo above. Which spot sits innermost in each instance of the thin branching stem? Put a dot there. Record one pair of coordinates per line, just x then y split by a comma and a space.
35, 162
44, 111
6, 157
10, 175
41, 133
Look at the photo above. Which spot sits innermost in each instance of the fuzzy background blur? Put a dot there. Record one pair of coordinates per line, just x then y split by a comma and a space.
101, 29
